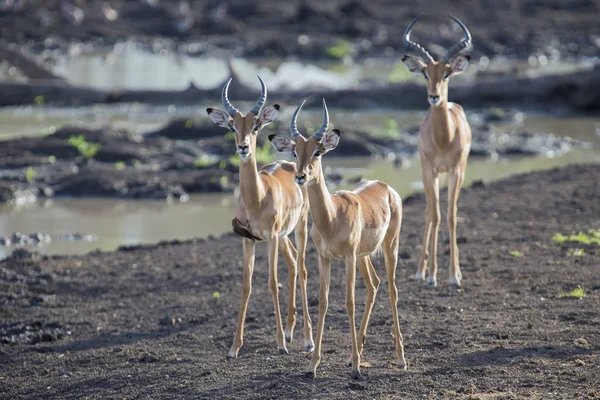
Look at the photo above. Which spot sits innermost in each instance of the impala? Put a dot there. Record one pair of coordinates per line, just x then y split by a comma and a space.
444, 145
271, 205
347, 226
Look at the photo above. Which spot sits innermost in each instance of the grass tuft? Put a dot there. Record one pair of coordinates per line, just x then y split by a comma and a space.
592, 237
577, 293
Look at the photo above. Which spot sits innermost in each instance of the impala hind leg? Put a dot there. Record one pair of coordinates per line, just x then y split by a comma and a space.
455, 180
248, 251
350, 309
290, 254
390, 254
274, 288
365, 266
325, 277
301, 236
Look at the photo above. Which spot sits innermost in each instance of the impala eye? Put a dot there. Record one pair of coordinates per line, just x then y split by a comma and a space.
294, 154
317, 153
425, 75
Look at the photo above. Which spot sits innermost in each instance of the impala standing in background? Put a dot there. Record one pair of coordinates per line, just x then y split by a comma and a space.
271, 205
347, 226
444, 145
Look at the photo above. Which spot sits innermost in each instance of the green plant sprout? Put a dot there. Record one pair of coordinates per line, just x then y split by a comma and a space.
85, 148
30, 174
341, 49
516, 253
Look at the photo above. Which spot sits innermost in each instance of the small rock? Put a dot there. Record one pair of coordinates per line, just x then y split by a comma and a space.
168, 320
581, 342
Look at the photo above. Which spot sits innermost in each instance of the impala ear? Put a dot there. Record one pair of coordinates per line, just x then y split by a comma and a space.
414, 64
282, 144
267, 115
330, 140
459, 64
221, 118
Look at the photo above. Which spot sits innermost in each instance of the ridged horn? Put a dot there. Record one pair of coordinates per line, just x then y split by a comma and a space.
463, 44
262, 99
231, 110
293, 125
319, 134
413, 46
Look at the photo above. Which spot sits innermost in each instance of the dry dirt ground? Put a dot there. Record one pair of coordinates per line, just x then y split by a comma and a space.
143, 322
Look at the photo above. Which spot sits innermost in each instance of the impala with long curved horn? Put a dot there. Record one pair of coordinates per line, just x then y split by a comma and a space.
348, 226
270, 207
444, 145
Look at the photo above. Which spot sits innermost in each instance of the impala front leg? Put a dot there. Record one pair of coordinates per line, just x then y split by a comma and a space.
274, 288
435, 227
301, 235
248, 250
324, 274
429, 196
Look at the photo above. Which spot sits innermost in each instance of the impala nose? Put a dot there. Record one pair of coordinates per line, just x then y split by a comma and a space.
243, 149
434, 99
301, 179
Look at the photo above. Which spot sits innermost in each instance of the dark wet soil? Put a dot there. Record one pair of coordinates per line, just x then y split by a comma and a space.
187, 157
310, 28
157, 321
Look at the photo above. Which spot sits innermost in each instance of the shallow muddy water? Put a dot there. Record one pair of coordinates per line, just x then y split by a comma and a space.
125, 66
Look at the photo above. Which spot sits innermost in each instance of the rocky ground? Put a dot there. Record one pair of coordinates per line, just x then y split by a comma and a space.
157, 321
308, 28
187, 157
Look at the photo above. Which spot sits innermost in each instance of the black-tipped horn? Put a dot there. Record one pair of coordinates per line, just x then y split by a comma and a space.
319, 134
231, 110
263, 98
293, 126
463, 44
413, 46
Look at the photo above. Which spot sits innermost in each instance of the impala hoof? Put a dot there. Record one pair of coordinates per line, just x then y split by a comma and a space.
355, 374
310, 374
455, 282
419, 277
232, 354
402, 365
309, 345
283, 350
289, 336
431, 281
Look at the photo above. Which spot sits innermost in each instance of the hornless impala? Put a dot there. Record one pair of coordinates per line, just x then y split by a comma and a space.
271, 205
348, 226
444, 145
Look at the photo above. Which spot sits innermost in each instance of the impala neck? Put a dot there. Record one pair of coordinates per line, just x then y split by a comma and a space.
440, 122
321, 205
251, 187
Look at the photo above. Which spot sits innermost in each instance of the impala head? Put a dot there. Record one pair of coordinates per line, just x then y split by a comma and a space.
245, 128
437, 72
307, 151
